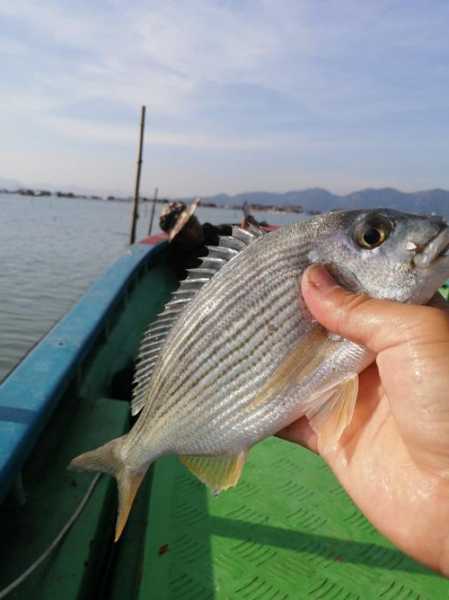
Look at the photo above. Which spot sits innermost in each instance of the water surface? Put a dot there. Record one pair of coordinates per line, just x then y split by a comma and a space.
51, 249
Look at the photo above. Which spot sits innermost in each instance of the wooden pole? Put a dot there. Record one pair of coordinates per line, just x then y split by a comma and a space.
150, 229
135, 215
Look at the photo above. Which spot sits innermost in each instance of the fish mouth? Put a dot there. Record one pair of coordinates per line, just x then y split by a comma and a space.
438, 247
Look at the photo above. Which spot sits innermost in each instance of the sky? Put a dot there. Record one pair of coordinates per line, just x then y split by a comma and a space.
241, 95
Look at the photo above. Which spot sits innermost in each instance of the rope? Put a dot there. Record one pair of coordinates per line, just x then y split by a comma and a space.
12, 586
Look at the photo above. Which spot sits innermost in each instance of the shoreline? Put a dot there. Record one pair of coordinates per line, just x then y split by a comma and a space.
298, 209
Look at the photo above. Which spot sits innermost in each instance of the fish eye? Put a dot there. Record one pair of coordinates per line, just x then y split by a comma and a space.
371, 237
373, 233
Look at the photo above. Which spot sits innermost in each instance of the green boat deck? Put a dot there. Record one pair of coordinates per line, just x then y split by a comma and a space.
287, 531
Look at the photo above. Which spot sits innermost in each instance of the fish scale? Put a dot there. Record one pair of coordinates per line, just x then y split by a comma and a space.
225, 293
258, 301
229, 357
226, 308
221, 371
232, 319
236, 355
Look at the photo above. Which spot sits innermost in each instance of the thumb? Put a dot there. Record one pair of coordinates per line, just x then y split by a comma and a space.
375, 324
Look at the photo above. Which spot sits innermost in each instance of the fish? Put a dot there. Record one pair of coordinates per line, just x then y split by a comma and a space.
236, 356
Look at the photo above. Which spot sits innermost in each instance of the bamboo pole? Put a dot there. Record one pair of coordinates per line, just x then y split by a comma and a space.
150, 229
135, 214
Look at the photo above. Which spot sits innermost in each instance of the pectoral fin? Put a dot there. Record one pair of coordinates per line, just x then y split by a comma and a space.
218, 472
335, 414
310, 352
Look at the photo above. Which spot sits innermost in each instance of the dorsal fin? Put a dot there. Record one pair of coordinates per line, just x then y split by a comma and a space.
255, 230
156, 334
221, 252
247, 235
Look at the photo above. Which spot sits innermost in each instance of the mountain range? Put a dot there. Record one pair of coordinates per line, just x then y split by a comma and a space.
436, 200
427, 201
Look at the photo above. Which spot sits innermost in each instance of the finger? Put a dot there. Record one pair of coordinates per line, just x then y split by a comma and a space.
376, 324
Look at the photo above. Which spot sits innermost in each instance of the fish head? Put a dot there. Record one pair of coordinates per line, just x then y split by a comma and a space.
386, 253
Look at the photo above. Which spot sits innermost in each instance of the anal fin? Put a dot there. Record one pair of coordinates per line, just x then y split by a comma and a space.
218, 472
335, 414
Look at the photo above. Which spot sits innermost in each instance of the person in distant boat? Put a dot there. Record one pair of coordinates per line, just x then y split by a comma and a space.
178, 221
393, 458
188, 238
249, 220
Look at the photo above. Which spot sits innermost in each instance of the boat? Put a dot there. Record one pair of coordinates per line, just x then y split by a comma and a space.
288, 531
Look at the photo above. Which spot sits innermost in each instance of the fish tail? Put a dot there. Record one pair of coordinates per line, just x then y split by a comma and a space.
108, 459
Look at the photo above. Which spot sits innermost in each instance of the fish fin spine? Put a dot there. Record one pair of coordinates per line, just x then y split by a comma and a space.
155, 335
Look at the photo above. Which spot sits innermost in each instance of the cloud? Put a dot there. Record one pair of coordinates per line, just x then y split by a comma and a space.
102, 133
289, 82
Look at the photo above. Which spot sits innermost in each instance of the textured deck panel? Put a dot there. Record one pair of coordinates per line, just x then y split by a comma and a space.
287, 532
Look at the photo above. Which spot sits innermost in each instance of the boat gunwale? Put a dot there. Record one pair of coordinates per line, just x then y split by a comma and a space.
32, 390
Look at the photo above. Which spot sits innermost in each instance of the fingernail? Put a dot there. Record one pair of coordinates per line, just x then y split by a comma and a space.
319, 278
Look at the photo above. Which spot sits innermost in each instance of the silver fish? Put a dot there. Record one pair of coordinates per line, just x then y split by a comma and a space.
236, 355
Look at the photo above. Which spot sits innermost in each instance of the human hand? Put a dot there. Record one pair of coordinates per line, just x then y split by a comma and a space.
393, 459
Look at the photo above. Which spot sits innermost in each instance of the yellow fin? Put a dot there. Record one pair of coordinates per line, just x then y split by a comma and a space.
107, 459
218, 472
128, 483
335, 414
307, 356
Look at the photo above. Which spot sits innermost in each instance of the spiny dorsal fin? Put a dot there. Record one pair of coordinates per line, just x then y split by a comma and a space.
156, 334
217, 472
150, 347
247, 235
257, 231
221, 252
